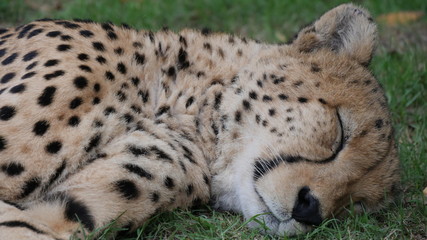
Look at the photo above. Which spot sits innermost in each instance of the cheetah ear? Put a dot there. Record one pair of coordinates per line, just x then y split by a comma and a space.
346, 29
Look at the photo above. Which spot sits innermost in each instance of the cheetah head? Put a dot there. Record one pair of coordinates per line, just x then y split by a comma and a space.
316, 136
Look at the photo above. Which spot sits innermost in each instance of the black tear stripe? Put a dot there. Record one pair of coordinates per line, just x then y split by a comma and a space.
263, 166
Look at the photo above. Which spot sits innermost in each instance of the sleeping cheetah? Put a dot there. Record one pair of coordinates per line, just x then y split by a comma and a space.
101, 122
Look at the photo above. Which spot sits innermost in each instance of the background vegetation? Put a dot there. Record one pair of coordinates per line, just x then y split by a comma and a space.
400, 64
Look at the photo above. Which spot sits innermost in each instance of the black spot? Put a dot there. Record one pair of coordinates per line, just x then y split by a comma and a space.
7, 112
138, 171
7, 77
9, 59
31, 66
190, 101
128, 118
322, 101
107, 26
80, 82
121, 96
144, 95
77, 101
218, 98
138, 151
207, 46
51, 62
302, 99
74, 121
289, 119
257, 118
28, 75
379, 123
119, 51
53, 147
55, 74
367, 82
98, 46
253, 95
3, 30
69, 25
121, 68
237, 116
315, 68
271, 112
53, 34
34, 33
46, 97
66, 37
20, 224
154, 197
200, 74
206, 31
135, 81
298, 83
2, 51
267, 98
29, 187
29, 56
282, 96
190, 189
12, 169
109, 76
169, 183
264, 123
182, 165
63, 47
25, 30
85, 68
162, 110
2, 90
182, 59
151, 36
86, 33
127, 188
96, 100
83, 57
96, 87
41, 127
76, 211
18, 88
246, 104
101, 59
136, 109
279, 80
139, 58
161, 154
171, 72
7, 36
3, 143
109, 110
112, 35
93, 142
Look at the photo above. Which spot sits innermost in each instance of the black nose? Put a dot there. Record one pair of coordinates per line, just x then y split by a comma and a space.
307, 208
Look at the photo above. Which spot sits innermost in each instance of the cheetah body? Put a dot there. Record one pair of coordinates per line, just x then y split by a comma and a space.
100, 123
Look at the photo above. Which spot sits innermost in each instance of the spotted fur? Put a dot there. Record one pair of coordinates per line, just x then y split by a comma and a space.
100, 122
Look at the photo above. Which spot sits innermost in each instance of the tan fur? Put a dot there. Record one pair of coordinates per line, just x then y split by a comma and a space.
206, 108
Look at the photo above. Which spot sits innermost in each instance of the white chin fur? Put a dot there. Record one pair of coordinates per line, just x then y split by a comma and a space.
241, 196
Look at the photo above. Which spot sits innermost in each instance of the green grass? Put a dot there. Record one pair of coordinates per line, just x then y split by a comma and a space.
402, 71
